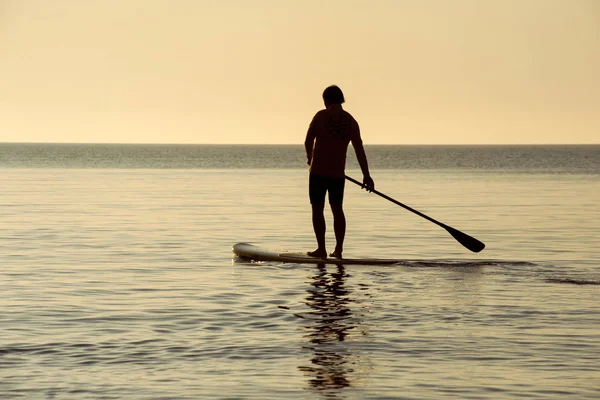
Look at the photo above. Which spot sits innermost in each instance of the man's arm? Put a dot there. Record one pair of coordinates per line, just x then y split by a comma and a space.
361, 156
309, 142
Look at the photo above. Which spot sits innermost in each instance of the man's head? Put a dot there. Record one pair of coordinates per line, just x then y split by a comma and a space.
333, 95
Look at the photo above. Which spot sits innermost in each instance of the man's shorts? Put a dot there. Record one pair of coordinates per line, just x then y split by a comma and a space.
319, 185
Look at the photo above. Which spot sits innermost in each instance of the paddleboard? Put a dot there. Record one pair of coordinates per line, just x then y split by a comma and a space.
251, 252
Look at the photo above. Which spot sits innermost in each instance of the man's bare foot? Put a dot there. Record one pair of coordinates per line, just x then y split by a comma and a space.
336, 254
318, 253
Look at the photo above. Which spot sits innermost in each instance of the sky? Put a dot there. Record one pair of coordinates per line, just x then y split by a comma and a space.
253, 71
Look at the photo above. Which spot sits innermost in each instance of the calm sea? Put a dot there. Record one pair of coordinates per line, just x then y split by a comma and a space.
118, 281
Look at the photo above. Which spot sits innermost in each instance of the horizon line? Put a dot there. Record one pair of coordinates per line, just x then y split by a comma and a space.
301, 144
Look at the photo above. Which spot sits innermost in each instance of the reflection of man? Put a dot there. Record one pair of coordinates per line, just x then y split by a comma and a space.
326, 145
331, 321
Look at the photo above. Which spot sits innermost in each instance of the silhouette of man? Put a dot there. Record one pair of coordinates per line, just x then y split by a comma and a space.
326, 145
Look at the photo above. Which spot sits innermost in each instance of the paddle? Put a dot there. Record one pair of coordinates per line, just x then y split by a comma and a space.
469, 242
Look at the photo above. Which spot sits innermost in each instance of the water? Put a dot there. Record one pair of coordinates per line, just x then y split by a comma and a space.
118, 280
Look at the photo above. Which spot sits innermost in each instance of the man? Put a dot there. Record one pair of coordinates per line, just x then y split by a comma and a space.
326, 145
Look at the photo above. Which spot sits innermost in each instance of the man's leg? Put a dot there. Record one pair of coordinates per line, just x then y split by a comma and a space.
317, 189
336, 199
339, 227
318, 220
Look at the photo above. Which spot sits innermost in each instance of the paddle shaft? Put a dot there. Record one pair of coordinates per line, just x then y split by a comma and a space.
420, 214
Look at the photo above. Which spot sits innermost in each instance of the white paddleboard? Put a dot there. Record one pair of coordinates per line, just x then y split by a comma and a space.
249, 251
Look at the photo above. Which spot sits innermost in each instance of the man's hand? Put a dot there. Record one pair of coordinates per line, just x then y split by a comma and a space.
368, 184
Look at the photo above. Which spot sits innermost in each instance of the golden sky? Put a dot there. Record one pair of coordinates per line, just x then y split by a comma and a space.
252, 71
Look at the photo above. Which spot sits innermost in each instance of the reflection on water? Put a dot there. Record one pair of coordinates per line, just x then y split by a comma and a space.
330, 322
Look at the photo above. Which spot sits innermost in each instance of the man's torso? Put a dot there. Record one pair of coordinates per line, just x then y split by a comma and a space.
334, 130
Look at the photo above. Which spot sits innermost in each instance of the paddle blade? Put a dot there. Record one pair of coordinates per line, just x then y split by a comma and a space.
469, 242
